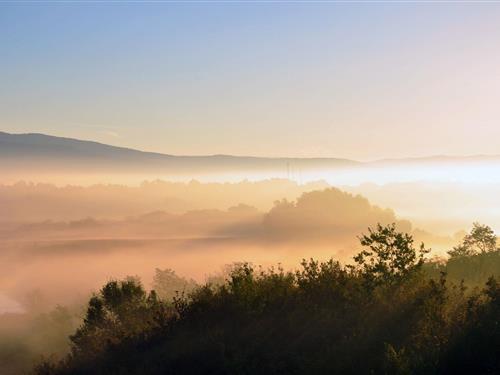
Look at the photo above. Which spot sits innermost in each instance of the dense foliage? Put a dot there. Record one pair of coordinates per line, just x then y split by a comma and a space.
382, 314
473, 261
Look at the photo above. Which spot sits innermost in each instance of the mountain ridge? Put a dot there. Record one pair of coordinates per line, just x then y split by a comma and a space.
52, 138
7, 140
46, 152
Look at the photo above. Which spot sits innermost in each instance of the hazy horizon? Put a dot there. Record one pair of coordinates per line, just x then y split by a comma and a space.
119, 145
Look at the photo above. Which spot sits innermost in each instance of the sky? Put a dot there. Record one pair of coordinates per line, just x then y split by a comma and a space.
351, 80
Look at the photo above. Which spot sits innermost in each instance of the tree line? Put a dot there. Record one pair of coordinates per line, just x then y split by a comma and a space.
391, 311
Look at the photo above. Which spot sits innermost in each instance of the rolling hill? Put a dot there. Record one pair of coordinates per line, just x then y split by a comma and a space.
27, 156
41, 151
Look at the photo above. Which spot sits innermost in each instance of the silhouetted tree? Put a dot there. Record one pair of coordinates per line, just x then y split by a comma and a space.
120, 310
388, 255
480, 240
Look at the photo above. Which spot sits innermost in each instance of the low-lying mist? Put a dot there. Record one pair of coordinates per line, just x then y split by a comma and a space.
64, 258
60, 244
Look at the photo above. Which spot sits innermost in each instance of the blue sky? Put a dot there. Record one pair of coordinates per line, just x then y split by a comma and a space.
362, 81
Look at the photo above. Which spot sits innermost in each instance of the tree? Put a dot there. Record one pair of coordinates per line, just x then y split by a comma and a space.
168, 284
121, 309
480, 240
388, 255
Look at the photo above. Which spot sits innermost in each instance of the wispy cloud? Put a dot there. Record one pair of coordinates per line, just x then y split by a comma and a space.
110, 133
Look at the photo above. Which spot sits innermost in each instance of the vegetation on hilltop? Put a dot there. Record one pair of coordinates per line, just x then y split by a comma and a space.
386, 313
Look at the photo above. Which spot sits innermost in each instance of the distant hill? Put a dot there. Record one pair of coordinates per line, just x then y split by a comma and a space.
27, 156
48, 152
440, 159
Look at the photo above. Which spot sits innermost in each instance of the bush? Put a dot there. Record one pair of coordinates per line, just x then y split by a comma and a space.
380, 315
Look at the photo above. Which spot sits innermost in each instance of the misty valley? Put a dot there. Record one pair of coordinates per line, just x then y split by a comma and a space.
278, 250
247, 187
